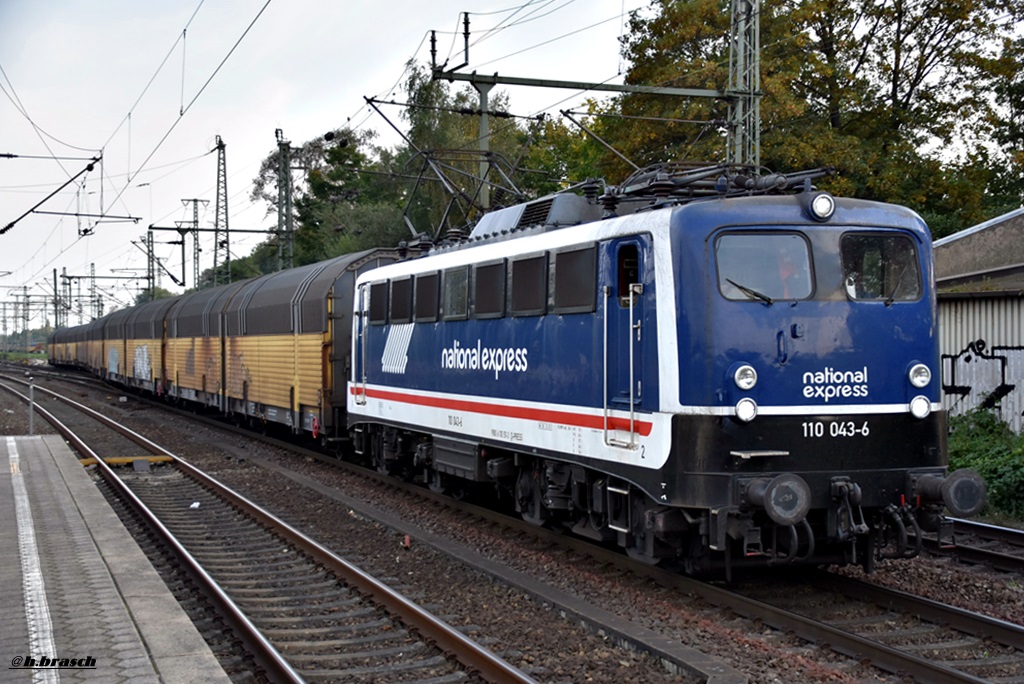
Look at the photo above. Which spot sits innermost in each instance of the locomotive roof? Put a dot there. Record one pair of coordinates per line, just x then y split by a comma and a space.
698, 218
658, 186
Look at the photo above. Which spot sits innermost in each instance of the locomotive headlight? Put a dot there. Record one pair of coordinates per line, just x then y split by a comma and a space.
745, 377
920, 375
746, 409
823, 206
920, 407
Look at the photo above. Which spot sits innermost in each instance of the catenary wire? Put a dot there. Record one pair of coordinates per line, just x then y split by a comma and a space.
173, 125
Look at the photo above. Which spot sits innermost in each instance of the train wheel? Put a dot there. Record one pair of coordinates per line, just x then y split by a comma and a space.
641, 556
640, 543
436, 482
528, 498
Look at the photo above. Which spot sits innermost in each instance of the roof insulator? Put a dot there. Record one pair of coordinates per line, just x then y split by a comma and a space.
662, 186
610, 201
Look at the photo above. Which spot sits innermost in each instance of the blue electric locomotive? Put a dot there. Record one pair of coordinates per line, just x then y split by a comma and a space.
724, 379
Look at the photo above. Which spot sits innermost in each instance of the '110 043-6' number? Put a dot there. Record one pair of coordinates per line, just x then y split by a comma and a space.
846, 428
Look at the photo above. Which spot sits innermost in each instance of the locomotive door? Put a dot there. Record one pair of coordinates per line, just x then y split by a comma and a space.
623, 336
359, 345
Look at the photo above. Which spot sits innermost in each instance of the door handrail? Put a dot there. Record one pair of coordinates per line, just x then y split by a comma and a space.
360, 394
634, 289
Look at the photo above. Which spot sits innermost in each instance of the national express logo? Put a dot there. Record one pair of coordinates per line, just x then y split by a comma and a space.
835, 384
497, 359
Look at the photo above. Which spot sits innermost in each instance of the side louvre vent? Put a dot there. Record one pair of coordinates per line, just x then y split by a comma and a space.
549, 213
535, 213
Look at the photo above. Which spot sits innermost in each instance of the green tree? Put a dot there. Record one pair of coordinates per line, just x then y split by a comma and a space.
893, 93
354, 194
1007, 86
157, 293
980, 440
342, 201
562, 156
349, 204
442, 158
677, 44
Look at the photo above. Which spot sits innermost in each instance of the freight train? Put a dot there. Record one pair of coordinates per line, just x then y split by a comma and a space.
703, 366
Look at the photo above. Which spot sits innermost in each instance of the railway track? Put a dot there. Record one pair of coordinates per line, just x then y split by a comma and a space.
899, 633
867, 624
896, 632
979, 543
304, 613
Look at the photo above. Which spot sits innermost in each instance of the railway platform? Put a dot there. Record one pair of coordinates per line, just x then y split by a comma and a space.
80, 600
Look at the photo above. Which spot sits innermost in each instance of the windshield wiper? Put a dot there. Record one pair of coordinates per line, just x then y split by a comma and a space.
750, 292
899, 281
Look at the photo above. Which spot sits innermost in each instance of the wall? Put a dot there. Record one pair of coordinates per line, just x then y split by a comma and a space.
982, 344
989, 256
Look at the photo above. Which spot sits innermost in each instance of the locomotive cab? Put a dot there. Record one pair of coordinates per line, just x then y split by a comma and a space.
813, 332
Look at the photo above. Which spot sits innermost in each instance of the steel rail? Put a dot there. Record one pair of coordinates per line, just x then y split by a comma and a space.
880, 655
464, 649
1008, 535
978, 556
263, 651
962, 620
1006, 562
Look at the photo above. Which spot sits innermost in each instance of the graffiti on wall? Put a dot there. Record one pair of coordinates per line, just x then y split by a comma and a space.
979, 376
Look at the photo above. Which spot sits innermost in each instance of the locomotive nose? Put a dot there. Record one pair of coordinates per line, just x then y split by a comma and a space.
962, 491
785, 498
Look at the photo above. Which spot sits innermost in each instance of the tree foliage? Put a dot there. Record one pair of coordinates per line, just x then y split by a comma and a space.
157, 293
897, 95
980, 440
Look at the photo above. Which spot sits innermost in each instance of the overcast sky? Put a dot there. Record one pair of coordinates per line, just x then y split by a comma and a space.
81, 76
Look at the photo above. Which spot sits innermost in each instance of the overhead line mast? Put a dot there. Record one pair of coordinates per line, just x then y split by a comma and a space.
220, 221
745, 83
743, 93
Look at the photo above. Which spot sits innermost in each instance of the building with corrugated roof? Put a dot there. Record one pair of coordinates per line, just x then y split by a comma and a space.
980, 276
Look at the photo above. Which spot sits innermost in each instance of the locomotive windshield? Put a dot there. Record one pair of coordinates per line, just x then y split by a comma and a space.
764, 266
880, 267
